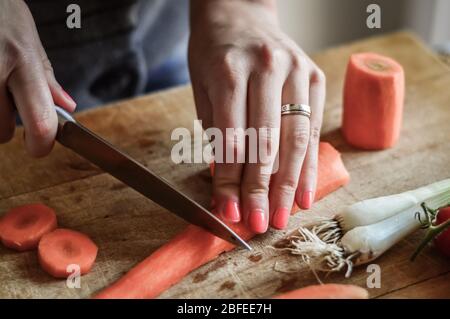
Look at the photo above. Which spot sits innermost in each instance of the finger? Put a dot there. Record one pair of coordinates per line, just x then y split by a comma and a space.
229, 117
32, 97
203, 105
7, 116
59, 95
308, 178
263, 112
204, 114
293, 145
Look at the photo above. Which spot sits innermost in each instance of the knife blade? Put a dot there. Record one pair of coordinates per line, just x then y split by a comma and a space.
100, 152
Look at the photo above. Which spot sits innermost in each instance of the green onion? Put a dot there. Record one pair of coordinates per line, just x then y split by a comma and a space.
363, 231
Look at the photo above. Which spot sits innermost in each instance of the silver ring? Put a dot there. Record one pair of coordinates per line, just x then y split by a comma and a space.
301, 109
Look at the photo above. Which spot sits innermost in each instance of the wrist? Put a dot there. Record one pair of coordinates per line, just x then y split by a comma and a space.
202, 11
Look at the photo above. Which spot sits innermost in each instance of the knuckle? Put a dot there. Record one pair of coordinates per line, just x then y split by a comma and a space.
288, 187
310, 169
12, 54
267, 133
47, 64
226, 181
299, 62
271, 58
315, 134
41, 129
257, 186
268, 139
299, 138
235, 145
227, 70
318, 76
22, 56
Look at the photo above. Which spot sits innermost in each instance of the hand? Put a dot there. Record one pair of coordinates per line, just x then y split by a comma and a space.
27, 81
243, 68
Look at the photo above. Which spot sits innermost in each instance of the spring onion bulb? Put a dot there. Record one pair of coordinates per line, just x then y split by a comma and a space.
363, 231
373, 210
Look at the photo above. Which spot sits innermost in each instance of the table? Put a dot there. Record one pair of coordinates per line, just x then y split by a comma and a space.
128, 227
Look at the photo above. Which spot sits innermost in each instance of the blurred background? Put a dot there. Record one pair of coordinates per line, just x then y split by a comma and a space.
144, 50
318, 24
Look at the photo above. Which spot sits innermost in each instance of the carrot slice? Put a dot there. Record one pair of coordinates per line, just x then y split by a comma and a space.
328, 291
63, 247
22, 227
332, 173
194, 247
373, 101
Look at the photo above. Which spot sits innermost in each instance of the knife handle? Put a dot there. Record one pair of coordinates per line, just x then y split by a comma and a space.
63, 116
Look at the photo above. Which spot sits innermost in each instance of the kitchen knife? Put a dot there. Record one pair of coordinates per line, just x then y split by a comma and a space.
76, 137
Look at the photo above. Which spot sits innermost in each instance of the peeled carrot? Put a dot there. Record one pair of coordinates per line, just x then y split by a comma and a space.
332, 173
194, 247
22, 227
63, 247
373, 101
328, 291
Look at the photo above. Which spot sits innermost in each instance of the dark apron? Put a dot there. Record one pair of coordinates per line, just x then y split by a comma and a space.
124, 47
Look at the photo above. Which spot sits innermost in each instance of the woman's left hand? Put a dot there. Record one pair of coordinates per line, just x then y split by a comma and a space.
243, 69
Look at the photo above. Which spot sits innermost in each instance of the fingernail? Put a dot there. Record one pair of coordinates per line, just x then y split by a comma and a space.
257, 221
280, 218
213, 203
231, 211
68, 97
307, 199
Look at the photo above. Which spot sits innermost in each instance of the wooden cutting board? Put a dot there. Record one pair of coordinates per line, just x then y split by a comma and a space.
128, 227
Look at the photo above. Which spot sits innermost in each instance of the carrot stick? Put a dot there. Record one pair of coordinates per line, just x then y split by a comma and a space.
194, 247
22, 227
373, 101
328, 291
63, 247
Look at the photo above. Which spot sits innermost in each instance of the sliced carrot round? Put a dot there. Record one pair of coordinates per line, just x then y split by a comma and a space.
22, 227
63, 247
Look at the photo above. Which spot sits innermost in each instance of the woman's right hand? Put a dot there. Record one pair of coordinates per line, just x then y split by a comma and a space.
27, 82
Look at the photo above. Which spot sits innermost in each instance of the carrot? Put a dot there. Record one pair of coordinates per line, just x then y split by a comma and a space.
63, 247
328, 291
332, 173
194, 247
22, 227
373, 101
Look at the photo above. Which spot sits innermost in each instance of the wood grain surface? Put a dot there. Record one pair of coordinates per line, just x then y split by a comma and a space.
128, 227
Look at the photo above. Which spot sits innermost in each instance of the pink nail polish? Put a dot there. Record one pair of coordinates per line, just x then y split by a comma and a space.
257, 221
68, 97
280, 218
231, 211
307, 199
